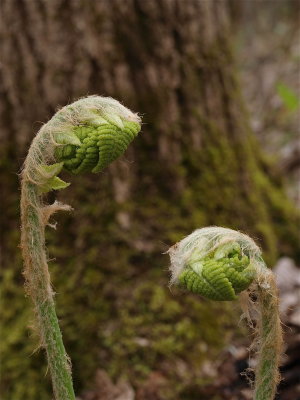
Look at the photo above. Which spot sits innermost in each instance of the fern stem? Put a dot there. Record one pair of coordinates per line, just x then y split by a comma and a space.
270, 336
39, 288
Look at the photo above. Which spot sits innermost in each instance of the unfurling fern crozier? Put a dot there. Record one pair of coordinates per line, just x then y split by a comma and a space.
85, 136
219, 264
221, 275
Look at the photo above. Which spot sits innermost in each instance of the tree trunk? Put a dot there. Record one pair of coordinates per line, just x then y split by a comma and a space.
195, 164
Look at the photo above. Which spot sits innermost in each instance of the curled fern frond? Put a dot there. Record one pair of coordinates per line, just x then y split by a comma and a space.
220, 263
214, 263
84, 136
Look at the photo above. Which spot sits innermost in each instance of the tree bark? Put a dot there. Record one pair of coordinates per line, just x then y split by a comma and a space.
195, 164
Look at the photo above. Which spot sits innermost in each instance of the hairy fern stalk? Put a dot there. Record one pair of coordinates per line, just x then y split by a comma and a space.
84, 136
220, 264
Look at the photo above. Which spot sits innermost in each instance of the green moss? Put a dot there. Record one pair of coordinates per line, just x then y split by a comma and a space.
21, 361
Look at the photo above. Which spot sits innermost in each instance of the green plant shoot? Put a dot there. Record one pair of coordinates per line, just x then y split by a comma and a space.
84, 136
220, 264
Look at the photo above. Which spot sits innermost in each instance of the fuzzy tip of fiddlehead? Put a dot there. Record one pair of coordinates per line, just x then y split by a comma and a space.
84, 136
219, 263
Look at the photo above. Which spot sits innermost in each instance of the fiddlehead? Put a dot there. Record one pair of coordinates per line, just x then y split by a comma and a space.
84, 136
220, 263
220, 275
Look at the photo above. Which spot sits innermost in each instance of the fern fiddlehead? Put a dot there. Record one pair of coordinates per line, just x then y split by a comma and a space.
220, 263
84, 136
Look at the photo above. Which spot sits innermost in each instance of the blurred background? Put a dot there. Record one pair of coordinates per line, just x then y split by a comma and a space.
217, 85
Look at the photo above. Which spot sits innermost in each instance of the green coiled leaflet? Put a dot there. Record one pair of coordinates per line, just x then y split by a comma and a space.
219, 276
99, 146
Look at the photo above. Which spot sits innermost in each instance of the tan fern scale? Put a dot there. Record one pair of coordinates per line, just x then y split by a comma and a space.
220, 263
84, 136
